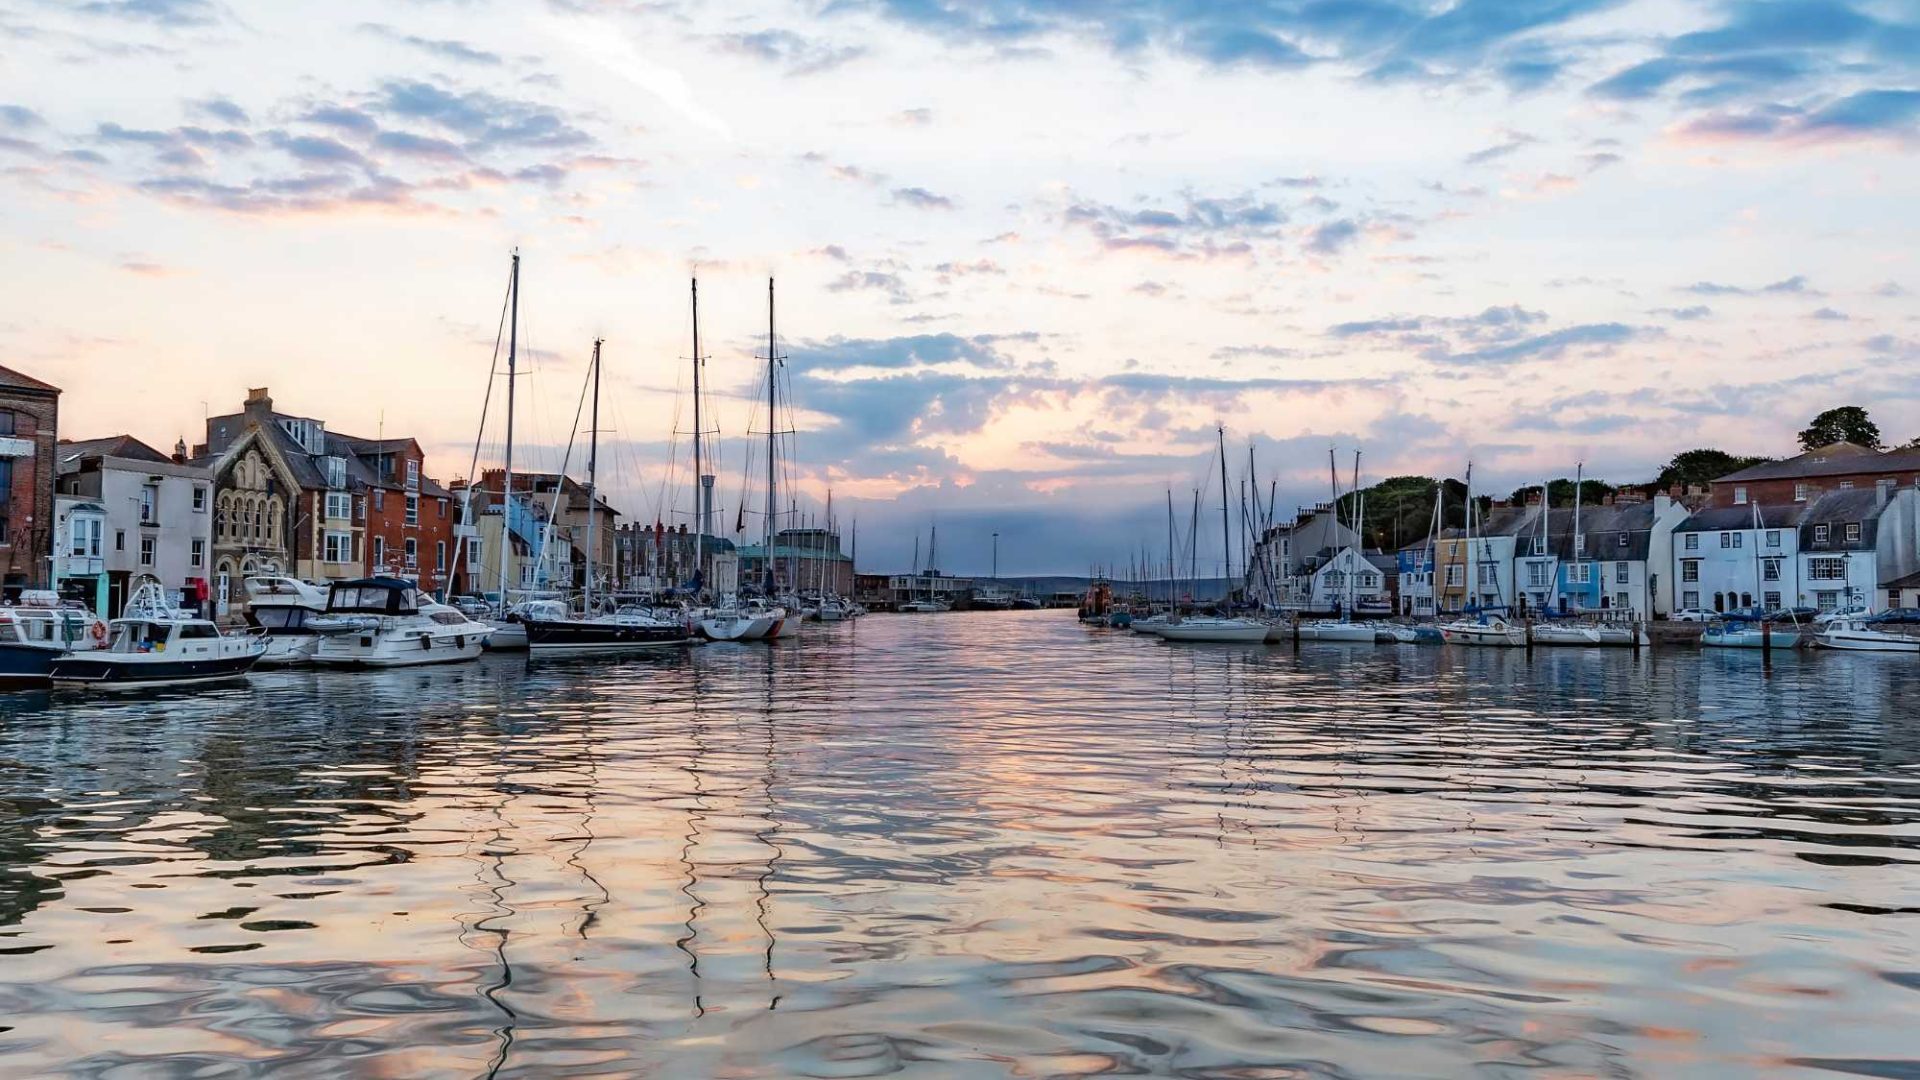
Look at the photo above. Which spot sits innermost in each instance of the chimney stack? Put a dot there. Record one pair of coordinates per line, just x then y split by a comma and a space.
259, 404
179, 451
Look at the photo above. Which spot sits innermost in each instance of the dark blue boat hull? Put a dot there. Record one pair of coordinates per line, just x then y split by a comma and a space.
103, 670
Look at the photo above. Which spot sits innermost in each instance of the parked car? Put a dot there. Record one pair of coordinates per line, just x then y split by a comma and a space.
1694, 615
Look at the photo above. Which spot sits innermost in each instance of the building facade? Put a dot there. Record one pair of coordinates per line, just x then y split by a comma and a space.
1804, 478
29, 428
806, 561
157, 512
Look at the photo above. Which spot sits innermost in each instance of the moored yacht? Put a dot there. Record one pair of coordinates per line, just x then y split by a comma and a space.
1213, 628
37, 631
1486, 629
1896, 631
1737, 630
750, 621
1336, 630
154, 644
631, 628
396, 626
1565, 633
291, 614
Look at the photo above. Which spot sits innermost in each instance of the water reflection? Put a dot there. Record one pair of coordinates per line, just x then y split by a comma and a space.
972, 845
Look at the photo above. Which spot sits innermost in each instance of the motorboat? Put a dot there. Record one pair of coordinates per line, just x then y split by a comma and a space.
630, 628
1152, 624
395, 625
991, 598
1027, 603
1491, 630
154, 644
924, 607
39, 629
835, 609
1895, 631
1211, 628
1337, 630
291, 614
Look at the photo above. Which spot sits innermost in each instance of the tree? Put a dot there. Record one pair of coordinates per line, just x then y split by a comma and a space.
1400, 510
1848, 423
1690, 468
1560, 492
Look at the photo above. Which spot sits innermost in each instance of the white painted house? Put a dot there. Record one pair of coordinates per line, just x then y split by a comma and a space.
158, 517
1346, 580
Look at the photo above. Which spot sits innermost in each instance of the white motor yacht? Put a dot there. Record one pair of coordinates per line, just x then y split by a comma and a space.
154, 644
40, 629
1896, 631
1337, 630
292, 615
924, 607
395, 625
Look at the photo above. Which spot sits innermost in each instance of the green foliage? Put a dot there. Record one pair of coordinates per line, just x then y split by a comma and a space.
1400, 510
1847, 423
1560, 492
1701, 467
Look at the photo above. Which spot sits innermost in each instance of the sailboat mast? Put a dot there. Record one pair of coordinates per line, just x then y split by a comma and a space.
773, 438
700, 489
506, 488
593, 478
1226, 534
1577, 543
1173, 565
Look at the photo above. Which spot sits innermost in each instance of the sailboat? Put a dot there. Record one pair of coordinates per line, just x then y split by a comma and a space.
1343, 628
757, 619
627, 629
1484, 626
1753, 630
1208, 628
930, 603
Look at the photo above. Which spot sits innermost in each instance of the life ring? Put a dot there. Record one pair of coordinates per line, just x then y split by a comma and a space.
99, 632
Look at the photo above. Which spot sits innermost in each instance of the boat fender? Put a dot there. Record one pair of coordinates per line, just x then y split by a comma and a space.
99, 632
460, 642
426, 641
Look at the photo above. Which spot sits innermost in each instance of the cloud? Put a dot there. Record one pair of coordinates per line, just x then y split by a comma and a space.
1685, 314
316, 150
1797, 285
921, 199
1827, 314
19, 118
920, 117
872, 280
1333, 237
444, 48
485, 121
170, 13
1204, 226
222, 110
800, 55
1596, 338
1513, 142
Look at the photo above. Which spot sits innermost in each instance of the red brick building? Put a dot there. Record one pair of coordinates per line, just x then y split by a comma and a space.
29, 427
409, 516
1842, 466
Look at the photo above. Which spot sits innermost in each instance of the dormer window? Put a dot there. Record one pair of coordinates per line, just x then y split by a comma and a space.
335, 470
1853, 533
1820, 534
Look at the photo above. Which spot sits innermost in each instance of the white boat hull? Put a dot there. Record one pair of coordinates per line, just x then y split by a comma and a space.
399, 648
1867, 641
507, 636
1337, 631
1498, 635
1235, 633
1576, 636
1749, 639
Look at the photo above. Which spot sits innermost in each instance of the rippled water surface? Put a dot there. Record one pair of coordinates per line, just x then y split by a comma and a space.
974, 845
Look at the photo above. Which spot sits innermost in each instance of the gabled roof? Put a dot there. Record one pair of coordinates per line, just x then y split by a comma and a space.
1837, 459
70, 454
18, 381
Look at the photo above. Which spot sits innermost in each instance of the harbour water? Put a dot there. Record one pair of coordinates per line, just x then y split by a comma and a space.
974, 845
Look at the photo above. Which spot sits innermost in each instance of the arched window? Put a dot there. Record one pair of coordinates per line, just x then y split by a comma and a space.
274, 514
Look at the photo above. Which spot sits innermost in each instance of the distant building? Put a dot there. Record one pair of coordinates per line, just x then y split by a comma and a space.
1286, 559
873, 591
655, 558
1804, 478
154, 516
806, 561
542, 558
29, 427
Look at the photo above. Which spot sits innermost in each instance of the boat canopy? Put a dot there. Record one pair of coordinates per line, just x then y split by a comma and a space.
375, 596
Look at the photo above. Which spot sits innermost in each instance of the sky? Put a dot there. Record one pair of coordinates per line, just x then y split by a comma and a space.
1029, 253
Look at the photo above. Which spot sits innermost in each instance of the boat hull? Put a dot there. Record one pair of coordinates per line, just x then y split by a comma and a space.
27, 665
1867, 641
1250, 634
1572, 636
403, 648
1337, 631
1749, 639
284, 650
582, 638
101, 670
1489, 636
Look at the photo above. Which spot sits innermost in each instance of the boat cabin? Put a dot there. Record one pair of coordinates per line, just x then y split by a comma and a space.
141, 635
374, 596
52, 627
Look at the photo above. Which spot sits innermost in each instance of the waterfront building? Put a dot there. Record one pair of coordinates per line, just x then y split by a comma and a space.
292, 497
577, 522
1287, 556
1414, 567
128, 514
1804, 478
655, 558
1620, 560
29, 427
1848, 548
1483, 577
931, 584
1347, 580
804, 561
